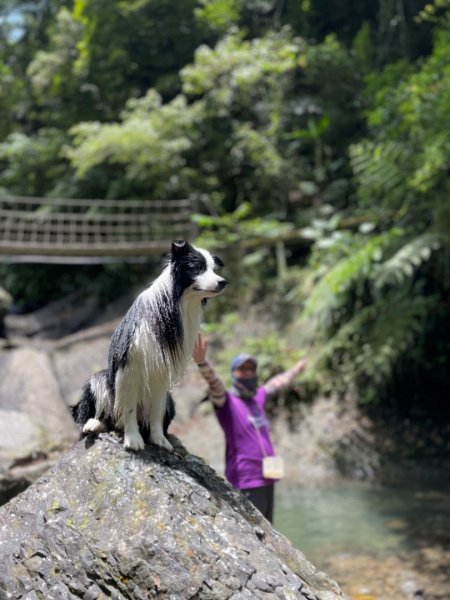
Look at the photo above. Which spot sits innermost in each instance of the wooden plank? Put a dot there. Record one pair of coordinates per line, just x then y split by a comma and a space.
94, 249
47, 216
141, 230
85, 203
79, 260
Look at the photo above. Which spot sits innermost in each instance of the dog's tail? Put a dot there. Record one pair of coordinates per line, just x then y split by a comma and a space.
94, 400
85, 407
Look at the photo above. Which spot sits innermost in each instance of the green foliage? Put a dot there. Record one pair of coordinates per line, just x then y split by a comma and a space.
220, 15
141, 44
33, 286
437, 11
327, 129
158, 143
368, 314
83, 60
151, 144
380, 172
238, 226
368, 317
10, 93
368, 348
402, 266
363, 46
336, 283
241, 130
50, 68
33, 164
409, 122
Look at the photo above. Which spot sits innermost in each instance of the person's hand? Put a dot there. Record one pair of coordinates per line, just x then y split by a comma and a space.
301, 365
200, 348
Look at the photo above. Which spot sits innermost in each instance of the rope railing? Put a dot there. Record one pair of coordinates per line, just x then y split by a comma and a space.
53, 228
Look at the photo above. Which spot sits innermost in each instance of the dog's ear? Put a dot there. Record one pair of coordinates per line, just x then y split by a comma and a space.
180, 248
218, 261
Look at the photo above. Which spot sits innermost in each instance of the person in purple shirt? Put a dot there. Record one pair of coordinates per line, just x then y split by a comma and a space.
241, 414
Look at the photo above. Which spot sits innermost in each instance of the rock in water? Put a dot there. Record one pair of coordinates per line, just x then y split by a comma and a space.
106, 523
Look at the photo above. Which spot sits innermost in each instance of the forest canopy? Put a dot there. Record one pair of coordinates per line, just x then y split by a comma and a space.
315, 134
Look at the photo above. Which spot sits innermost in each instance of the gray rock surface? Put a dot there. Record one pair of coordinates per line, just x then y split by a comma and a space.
76, 360
105, 523
35, 423
5, 302
5, 306
56, 319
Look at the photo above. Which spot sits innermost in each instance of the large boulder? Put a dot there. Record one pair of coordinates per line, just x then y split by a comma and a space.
106, 523
75, 358
35, 424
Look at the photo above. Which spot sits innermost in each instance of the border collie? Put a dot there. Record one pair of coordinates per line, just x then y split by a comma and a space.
149, 351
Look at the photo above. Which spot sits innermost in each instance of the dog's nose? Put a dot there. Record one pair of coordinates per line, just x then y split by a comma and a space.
221, 284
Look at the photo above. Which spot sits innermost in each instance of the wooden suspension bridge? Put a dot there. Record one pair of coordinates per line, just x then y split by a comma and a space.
71, 231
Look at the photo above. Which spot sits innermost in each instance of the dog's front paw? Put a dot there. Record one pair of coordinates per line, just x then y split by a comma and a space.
161, 440
133, 441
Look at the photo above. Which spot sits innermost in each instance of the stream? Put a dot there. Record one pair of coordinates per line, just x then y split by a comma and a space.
378, 543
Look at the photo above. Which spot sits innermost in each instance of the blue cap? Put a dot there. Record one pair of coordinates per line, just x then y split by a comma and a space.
240, 359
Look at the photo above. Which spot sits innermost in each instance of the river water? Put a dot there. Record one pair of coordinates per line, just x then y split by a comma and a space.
379, 543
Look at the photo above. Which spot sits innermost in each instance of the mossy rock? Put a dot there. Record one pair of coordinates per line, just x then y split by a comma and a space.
106, 523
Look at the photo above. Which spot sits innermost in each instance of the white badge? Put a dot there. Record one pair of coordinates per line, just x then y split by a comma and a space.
273, 467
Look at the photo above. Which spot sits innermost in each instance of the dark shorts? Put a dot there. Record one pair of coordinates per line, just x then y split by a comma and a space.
262, 498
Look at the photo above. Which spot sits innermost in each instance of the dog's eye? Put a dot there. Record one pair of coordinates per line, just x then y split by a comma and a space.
218, 262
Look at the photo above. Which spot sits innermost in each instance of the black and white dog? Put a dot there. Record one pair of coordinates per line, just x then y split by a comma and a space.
149, 351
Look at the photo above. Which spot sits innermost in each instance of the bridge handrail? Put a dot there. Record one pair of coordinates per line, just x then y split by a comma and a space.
103, 203
81, 227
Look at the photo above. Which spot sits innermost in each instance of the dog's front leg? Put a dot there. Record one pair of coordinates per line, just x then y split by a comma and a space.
126, 402
157, 414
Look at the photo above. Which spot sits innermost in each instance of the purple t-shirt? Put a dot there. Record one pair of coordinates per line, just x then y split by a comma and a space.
244, 447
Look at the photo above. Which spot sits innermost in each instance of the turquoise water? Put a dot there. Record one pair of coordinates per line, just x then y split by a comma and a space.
356, 518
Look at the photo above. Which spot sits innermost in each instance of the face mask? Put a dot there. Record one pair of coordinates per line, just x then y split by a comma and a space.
246, 384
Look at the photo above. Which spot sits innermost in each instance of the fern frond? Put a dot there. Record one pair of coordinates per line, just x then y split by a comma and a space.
379, 169
369, 346
329, 291
403, 264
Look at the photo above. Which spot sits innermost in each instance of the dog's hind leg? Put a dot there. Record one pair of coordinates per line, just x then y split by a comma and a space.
126, 403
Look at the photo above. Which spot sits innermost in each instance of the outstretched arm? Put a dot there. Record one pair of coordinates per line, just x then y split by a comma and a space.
283, 380
216, 392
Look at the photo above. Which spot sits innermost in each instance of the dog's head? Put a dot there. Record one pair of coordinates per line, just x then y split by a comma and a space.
194, 271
